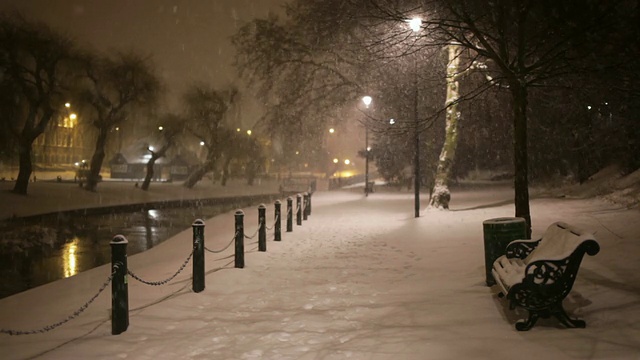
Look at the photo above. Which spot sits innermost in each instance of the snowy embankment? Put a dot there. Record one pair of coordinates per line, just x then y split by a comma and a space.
361, 279
610, 184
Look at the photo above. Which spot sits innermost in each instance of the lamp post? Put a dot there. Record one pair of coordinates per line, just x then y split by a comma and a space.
415, 24
367, 101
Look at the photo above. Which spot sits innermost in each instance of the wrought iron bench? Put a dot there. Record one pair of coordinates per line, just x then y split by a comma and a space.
538, 274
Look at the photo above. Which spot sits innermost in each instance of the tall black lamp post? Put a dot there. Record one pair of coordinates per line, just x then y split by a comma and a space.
367, 101
416, 24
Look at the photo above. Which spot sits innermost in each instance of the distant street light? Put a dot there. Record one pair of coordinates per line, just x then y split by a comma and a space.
332, 130
249, 132
201, 143
160, 128
347, 161
367, 101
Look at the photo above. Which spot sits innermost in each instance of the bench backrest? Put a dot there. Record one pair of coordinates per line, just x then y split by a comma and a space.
559, 242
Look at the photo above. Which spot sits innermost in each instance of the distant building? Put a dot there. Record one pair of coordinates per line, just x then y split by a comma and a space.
61, 144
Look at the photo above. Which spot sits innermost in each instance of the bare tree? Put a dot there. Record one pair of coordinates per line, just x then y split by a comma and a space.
115, 86
527, 43
523, 44
170, 128
206, 109
34, 66
304, 70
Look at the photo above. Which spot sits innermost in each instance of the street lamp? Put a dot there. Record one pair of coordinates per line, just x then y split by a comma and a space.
367, 101
416, 24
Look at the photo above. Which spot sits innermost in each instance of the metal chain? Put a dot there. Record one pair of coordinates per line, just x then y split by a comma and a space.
255, 233
274, 223
69, 318
158, 283
226, 247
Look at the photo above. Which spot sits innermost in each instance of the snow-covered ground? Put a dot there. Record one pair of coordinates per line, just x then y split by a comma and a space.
361, 279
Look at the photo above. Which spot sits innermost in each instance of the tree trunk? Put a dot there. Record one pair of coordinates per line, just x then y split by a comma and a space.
225, 171
149, 176
96, 161
441, 195
198, 174
520, 153
24, 156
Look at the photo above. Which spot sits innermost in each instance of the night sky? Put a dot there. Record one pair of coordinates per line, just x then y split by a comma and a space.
188, 40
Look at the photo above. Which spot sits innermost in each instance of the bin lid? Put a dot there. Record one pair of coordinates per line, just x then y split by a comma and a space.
504, 221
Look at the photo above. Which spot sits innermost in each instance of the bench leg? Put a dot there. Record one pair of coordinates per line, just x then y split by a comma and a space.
524, 325
561, 315
557, 311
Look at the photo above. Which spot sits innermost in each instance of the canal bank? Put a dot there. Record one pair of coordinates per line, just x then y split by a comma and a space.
64, 230
48, 196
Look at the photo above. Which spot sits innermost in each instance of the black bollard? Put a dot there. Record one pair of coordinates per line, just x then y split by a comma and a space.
197, 283
239, 256
299, 209
289, 214
309, 205
277, 226
305, 211
262, 228
119, 287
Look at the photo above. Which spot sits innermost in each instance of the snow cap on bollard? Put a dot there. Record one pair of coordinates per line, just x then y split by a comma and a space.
119, 240
198, 222
278, 202
262, 206
290, 198
239, 212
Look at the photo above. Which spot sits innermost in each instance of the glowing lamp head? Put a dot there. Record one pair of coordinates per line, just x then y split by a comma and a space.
367, 100
415, 24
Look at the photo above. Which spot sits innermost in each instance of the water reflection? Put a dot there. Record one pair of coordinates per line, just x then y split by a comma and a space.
83, 243
69, 258
153, 214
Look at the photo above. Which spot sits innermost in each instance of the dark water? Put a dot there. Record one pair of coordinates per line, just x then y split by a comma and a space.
82, 243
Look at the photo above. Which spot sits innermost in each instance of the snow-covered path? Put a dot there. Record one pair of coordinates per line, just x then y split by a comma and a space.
360, 279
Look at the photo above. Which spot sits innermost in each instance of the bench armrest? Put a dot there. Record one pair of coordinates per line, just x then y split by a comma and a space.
546, 272
520, 249
555, 271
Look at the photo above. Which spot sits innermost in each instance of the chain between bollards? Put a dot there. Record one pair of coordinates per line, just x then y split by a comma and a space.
119, 287
197, 282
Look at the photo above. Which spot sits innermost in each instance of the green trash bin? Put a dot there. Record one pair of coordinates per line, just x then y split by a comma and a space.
498, 233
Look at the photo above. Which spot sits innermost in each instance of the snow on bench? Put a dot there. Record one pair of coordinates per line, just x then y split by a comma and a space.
538, 274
